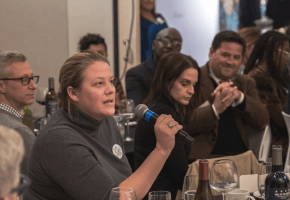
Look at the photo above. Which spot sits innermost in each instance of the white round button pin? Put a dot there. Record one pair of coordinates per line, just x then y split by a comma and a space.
117, 151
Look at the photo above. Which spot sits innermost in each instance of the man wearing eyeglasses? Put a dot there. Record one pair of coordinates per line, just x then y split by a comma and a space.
17, 89
140, 78
11, 153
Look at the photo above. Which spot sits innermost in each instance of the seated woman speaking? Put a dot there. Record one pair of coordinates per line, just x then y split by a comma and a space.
174, 84
79, 153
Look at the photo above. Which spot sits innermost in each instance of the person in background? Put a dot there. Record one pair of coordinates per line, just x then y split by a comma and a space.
17, 89
11, 154
279, 12
249, 12
174, 84
269, 57
139, 78
250, 35
96, 43
151, 24
79, 154
227, 102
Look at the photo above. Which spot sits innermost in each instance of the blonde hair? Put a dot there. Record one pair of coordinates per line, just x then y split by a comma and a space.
11, 153
72, 74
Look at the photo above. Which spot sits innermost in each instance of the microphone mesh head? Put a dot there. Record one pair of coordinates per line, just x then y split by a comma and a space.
140, 110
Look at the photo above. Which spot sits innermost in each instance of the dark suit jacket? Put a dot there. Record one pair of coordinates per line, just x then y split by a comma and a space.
203, 124
139, 80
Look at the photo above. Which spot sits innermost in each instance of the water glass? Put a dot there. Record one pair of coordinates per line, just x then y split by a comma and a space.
190, 186
120, 124
267, 168
123, 193
127, 111
159, 195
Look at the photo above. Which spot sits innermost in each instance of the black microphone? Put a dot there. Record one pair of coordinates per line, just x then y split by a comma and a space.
142, 111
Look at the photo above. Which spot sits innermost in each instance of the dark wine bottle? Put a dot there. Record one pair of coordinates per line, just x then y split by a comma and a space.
203, 190
277, 183
50, 99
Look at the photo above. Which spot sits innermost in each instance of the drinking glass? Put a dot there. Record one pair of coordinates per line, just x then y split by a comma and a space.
127, 111
224, 176
267, 168
40, 95
190, 186
122, 193
120, 124
159, 195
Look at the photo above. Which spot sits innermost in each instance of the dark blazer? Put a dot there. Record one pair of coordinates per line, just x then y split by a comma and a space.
139, 80
203, 124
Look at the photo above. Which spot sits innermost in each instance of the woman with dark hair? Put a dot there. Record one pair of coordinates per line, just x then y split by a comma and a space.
79, 153
269, 57
175, 82
151, 24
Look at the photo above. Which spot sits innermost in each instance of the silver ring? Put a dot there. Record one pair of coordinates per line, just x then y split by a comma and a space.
169, 125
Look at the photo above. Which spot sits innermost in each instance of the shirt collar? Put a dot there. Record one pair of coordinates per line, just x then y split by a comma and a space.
216, 79
11, 110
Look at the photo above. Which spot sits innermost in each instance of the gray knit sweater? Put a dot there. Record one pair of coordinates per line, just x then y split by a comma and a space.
76, 158
12, 121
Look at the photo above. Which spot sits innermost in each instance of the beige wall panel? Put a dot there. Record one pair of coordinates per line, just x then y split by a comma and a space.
125, 16
94, 16
38, 29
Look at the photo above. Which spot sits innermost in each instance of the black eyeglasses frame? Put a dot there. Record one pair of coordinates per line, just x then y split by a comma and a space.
34, 78
166, 41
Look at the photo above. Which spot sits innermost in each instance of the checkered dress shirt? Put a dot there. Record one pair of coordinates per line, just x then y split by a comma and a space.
11, 110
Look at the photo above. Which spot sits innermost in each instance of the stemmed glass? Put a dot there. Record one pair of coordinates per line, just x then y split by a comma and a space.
123, 193
267, 168
159, 195
127, 111
40, 95
190, 186
224, 176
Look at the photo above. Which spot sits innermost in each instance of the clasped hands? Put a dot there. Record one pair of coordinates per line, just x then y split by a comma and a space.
224, 95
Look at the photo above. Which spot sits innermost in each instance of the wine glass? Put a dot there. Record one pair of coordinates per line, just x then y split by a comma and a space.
40, 95
159, 195
123, 193
224, 176
127, 111
120, 124
190, 186
267, 168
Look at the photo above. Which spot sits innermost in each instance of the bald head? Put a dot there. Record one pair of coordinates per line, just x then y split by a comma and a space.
167, 40
168, 31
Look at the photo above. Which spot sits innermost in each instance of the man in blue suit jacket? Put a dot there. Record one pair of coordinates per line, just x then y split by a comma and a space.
139, 78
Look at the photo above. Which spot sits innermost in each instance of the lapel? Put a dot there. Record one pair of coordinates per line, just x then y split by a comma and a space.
207, 86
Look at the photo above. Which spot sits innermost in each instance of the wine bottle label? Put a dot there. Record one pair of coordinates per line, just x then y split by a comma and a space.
51, 107
279, 193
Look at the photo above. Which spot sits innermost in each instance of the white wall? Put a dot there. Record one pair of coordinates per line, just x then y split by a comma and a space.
47, 32
196, 20
94, 16
38, 29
